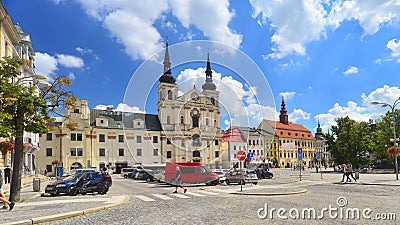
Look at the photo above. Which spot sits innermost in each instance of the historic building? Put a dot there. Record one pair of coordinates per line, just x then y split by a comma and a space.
321, 147
290, 137
186, 128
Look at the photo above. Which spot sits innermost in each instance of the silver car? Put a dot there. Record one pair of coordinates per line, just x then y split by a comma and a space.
241, 176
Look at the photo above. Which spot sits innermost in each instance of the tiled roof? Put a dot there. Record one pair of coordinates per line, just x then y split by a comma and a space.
290, 130
232, 135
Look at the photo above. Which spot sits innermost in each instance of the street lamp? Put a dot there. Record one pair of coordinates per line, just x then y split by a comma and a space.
392, 107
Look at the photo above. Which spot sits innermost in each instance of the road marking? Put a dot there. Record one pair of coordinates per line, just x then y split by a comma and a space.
207, 193
144, 198
220, 190
163, 197
195, 194
180, 196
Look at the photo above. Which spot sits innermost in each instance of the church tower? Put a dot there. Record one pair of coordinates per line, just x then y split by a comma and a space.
283, 117
209, 88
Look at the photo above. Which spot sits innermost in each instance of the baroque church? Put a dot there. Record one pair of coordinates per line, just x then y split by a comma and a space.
190, 122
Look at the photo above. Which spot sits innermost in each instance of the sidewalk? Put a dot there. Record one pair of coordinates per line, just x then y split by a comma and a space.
33, 208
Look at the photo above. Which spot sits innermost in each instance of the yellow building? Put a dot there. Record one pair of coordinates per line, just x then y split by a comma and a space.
290, 137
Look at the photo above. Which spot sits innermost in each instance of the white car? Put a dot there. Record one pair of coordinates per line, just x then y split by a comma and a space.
221, 176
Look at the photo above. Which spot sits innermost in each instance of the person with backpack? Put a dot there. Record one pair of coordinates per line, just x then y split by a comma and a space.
7, 204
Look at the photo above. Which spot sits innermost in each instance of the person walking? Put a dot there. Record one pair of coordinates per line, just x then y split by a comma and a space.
351, 170
7, 174
345, 173
178, 180
7, 204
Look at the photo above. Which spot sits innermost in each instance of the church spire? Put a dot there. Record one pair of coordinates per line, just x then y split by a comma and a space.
283, 117
319, 129
167, 75
209, 85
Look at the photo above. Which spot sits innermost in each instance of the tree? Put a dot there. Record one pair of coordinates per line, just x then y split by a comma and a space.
352, 141
26, 108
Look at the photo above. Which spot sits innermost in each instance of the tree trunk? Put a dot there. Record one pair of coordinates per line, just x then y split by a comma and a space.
15, 188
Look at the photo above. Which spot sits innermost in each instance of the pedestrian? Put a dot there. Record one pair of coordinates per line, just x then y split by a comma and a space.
46, 172
351, 170
6, 204
104, 172
178, 180
7, 174
345, 173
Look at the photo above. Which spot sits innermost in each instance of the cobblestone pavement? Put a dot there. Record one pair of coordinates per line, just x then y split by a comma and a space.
155, 204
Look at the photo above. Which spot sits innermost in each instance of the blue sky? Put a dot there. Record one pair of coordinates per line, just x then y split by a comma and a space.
328, 58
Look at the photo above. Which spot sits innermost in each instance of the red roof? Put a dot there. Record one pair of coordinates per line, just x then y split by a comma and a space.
232, 135
290, 130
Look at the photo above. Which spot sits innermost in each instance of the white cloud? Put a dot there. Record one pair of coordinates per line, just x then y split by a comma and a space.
306, 23
367, 111
351, 70
122, 107
45, 64
70, 61
371, 15
71, 76
287, 95
210, 16
132, 22
298, 114
309, 20
394, 46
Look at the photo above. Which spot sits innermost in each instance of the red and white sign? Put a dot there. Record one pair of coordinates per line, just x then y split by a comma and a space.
241, 155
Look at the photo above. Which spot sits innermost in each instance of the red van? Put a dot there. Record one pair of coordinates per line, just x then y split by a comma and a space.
192, 173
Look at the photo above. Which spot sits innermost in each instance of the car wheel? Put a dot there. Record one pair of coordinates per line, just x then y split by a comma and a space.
72, 191
125, 176
148, 180
255, 183
227, 182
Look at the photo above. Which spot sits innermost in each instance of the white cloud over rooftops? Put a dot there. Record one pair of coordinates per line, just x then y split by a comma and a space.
351, 70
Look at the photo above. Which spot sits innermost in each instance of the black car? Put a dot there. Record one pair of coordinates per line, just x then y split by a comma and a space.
266, 174
147, 175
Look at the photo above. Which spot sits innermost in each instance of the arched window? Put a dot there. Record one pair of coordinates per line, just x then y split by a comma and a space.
169, 95
182, 120
196, 140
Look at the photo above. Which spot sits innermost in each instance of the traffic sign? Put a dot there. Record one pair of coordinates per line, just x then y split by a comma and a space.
241, 155
319, 156
250, 155
300, 153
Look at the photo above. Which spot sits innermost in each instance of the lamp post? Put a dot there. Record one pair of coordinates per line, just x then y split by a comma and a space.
392, 107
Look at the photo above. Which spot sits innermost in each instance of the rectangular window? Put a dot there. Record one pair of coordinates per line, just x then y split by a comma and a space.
79, 151
102, 138
49, 152
139, 152
79, 137
73, 137
169, 154
168, 141
234, 147
138, 139
121, 152
73, 151
216, 142
49, 137
155, 152
120, 138
216, 154
155, 139
49, 168
102, 152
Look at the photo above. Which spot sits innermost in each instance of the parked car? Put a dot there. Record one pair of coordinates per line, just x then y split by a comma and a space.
159, 176
266, 174
147, 175
126, 171
221, 175
241, 176
192, 172
65, 185
90, 183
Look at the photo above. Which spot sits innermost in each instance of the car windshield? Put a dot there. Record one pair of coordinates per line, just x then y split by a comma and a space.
72, 177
